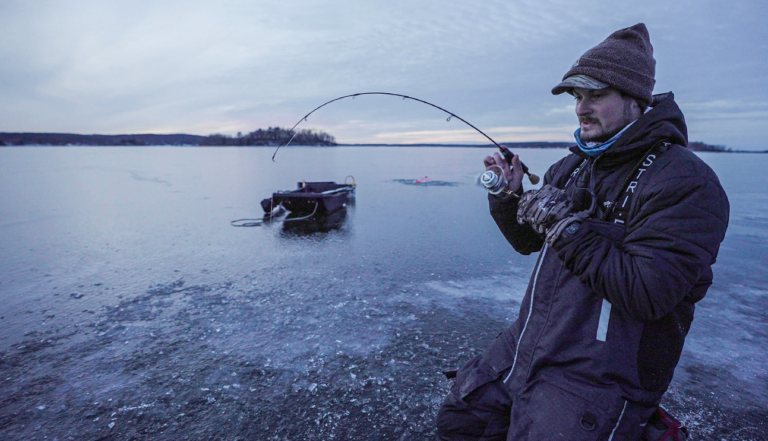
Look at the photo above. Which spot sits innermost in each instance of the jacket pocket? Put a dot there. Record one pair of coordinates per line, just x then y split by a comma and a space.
660, 347
558, 414
472, 375
487, 367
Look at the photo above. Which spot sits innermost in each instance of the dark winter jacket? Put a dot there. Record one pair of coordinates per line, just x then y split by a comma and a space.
603, 321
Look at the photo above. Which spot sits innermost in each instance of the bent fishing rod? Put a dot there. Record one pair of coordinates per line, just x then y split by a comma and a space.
504, 151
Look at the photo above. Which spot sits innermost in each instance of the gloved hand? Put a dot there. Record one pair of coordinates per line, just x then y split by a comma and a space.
543, 208
565, 229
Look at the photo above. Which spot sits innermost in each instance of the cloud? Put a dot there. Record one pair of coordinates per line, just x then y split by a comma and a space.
728, 109
470, 136
118, 66
569, 109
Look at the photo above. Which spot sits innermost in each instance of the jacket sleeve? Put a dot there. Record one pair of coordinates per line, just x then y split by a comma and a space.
504, 211
666, 254
522, 237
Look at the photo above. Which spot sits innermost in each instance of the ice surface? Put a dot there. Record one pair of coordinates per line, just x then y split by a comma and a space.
132, 309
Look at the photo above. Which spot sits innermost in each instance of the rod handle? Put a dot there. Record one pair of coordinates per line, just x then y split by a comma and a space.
507, 154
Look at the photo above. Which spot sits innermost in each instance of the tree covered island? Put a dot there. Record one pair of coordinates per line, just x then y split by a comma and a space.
272, 136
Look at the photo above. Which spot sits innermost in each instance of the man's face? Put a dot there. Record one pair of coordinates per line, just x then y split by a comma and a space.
603, 113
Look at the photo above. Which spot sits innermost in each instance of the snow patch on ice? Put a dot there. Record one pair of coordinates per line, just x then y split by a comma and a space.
140, 406
503, 289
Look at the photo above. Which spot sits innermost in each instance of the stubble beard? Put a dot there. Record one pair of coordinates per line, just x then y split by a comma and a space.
599, 133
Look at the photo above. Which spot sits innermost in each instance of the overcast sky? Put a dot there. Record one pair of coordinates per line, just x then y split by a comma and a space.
205, 67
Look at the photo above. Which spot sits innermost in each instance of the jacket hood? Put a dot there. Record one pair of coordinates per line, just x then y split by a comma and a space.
665, 120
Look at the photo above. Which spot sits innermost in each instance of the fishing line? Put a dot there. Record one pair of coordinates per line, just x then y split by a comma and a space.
533, 178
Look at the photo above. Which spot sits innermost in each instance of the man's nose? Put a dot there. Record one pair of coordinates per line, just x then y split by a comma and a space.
583, 108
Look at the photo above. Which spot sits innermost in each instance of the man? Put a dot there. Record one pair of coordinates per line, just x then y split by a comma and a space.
627, 226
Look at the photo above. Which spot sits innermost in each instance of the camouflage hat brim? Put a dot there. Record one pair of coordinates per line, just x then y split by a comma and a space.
581, 81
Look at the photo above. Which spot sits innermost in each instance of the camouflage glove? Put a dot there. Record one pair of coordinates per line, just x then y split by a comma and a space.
565, 229
543, 208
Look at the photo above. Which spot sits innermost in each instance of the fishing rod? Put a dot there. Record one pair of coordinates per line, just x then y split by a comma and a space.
505, 151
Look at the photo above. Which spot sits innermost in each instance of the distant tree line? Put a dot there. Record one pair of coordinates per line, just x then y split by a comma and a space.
536, 145
271, 136
697, 146
97, 140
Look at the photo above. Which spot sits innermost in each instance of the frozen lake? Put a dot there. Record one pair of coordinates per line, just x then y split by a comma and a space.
131, 309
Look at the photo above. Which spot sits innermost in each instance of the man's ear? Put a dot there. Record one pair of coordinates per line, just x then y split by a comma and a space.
634, 105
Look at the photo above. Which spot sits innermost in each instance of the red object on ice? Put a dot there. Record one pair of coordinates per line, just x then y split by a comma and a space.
419, 181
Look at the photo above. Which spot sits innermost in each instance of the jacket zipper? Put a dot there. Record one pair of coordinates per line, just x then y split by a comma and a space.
530, 310
536, 276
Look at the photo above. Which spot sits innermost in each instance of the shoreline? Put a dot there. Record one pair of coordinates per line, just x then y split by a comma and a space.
509, 144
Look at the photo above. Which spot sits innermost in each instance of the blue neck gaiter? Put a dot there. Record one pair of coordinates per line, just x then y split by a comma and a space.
594, 149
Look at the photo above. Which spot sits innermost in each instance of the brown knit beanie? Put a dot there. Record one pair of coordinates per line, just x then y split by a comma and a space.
624, 60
